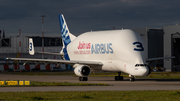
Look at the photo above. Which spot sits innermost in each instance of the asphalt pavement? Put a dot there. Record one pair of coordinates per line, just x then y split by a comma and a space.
126, 85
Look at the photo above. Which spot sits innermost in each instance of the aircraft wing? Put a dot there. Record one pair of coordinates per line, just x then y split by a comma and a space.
55, 61
159, 58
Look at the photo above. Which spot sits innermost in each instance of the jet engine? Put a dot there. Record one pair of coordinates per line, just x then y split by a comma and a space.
82, 70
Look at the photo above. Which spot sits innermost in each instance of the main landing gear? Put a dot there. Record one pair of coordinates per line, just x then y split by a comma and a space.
119, 78
83, 78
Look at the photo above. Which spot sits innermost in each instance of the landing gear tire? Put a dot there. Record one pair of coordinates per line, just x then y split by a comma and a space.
119, 78
83, 78
132, 79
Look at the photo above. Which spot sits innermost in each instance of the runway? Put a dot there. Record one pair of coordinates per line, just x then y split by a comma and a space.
126, 85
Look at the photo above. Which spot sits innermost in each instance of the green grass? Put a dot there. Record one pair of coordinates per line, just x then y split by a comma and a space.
36, 83
164, 75
92, 96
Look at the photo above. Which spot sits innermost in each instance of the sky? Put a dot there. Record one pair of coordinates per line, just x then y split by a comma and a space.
85, 15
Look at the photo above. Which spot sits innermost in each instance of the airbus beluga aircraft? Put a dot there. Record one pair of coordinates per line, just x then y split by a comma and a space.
114, 51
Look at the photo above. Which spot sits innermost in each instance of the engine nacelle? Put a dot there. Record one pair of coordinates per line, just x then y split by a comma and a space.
82, 70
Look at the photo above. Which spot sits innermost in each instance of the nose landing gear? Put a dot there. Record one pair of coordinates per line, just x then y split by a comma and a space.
132, 79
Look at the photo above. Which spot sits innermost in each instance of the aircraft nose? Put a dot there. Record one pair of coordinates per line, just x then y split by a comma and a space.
145, 71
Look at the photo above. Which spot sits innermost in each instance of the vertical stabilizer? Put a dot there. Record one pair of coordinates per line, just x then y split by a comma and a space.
67, 37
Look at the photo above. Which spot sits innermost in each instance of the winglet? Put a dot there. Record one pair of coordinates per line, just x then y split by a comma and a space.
31, 46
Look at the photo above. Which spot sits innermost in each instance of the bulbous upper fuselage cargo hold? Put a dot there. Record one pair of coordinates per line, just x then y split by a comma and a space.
118, 50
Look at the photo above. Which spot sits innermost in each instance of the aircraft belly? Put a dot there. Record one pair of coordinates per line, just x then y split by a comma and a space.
109, 65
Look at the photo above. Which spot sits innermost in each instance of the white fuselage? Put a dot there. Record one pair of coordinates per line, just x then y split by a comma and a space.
118, 50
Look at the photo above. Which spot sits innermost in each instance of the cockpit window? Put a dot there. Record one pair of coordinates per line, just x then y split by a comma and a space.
137, 65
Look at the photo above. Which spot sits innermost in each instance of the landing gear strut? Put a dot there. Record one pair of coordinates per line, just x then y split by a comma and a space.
83, 78
119, 78
132, 79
